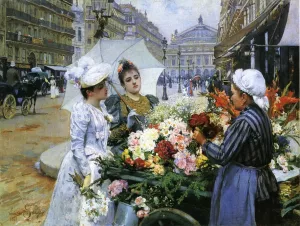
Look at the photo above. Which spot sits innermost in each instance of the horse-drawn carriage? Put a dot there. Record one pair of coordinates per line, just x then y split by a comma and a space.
21, 94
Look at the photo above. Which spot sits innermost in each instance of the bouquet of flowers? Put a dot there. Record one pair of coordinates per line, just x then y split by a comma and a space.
282, 112
96, 202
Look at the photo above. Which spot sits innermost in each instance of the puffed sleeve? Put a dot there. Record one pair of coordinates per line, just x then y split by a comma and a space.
80, 119
118, 125
113, 107
235, 137
153, 100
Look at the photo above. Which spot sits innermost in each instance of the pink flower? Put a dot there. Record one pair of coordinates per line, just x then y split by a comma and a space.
117, 186
140, 200
184, 160
142, 213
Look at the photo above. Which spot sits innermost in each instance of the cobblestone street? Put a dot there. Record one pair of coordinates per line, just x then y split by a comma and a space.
24, 192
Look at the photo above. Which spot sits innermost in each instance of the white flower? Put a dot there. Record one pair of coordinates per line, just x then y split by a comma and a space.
276, 146
272, 164
276, 128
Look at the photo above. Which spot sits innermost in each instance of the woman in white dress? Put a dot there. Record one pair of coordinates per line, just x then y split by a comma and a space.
53, 87
89, 133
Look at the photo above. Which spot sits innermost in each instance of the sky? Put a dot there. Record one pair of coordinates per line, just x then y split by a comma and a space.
169, 15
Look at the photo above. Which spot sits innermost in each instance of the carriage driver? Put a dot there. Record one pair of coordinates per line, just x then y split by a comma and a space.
13, 76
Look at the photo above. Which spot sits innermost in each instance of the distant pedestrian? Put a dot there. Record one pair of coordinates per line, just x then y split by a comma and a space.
53, 87
13, 76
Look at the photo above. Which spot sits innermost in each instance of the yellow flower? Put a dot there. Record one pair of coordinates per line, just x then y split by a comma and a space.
125, 154
201, 160
158, 170
156, 159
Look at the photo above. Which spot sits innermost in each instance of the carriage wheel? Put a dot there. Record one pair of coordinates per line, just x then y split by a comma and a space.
44, 89
25, 106
9, 106
169, 217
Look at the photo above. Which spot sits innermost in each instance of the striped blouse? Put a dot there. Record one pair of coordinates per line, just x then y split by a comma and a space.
248, 142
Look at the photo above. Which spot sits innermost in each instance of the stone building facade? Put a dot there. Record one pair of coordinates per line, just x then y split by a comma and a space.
126, 22
138, 26
38, 33
197, 48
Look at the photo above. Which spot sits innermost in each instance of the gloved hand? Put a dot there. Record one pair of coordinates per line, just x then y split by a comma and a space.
135, 121
131, 119
87, 181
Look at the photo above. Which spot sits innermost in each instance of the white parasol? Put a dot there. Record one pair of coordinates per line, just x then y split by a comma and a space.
111, 51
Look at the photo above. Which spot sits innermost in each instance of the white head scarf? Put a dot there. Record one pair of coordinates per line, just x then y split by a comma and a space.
252, 81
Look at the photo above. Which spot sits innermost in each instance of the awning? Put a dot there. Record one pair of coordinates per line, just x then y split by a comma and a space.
290, 36
57, 68
223, 47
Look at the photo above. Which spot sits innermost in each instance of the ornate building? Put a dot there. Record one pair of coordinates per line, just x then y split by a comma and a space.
115, 27
3, 57
138, 26
126, 22
79, 27
38, 33
197, 48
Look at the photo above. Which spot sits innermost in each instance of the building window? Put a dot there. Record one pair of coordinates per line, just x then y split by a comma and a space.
173, 60
79, 34
182, 61
129, 28
89, 26
206, 60
198, 60
130, 19
89, 41
23, 55
17, 54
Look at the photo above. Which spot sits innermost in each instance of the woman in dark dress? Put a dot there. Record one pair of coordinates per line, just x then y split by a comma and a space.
136, 105
245, 191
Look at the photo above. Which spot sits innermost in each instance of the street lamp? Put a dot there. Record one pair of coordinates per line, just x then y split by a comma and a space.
193, 63
102, 10
164, 43
179, 82
188, 74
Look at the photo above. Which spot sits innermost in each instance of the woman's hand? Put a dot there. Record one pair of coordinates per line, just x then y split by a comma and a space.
87, 181
199, 137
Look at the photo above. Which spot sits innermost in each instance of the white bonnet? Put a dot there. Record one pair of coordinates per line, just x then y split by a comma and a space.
88, 73
95, 75
252, 82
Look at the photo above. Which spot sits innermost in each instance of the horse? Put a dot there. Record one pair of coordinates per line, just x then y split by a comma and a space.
27, 89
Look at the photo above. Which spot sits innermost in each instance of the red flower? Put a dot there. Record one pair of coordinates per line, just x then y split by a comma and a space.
153, 126
139, 163
129, 161
199, 120
165, 149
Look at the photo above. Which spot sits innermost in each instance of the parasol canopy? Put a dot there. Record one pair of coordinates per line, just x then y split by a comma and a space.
112, 51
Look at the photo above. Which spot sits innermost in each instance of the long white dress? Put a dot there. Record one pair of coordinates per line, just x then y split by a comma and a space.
52, 89
89, 134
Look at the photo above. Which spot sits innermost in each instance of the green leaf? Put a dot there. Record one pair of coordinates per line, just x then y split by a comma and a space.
296, 198
285, 211
286, 89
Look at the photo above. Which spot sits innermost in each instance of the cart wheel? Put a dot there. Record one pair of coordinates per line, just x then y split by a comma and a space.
168, 217
9, 106
44, 89
25, 106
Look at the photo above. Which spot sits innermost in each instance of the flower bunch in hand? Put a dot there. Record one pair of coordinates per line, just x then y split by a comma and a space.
202, 122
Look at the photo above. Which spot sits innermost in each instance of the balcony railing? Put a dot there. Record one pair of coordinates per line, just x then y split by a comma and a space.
26, 17
38, 41
54, 7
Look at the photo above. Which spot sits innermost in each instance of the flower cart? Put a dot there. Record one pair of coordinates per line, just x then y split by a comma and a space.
193, 210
